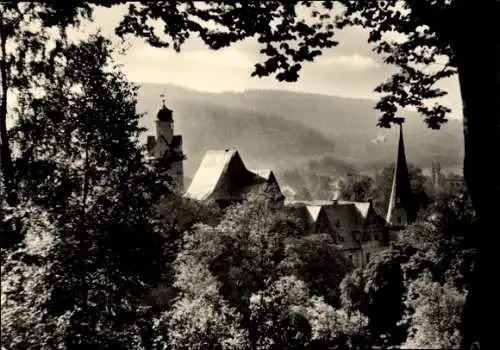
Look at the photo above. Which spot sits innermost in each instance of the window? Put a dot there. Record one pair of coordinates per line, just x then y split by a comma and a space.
357, 235
350, 257
398, 219
367, 257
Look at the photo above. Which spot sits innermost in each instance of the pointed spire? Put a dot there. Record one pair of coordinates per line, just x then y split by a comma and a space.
401, 193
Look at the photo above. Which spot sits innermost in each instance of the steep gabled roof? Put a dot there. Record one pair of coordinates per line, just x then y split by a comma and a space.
346, 215
209, 173
222, 175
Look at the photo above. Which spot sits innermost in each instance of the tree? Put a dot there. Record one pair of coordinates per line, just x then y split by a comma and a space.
79, 160
25, 290
200, 317
434, 321
317, 261
436, 254
378, 294
27, 60
356, 188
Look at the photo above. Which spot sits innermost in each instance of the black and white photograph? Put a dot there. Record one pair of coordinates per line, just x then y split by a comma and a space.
249, 175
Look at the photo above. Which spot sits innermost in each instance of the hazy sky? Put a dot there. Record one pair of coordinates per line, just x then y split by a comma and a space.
351, 69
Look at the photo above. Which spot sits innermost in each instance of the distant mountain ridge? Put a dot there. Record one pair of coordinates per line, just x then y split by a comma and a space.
280, 129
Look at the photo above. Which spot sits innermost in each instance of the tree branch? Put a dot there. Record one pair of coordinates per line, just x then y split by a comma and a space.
439, 19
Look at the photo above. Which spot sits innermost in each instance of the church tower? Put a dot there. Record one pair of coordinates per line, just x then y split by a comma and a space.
166, 142
402, 209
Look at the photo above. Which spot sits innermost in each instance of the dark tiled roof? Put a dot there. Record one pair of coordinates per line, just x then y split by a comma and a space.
222, 175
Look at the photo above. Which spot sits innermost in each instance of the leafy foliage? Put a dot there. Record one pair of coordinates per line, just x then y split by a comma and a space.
436, 315
307, 257
251, 273
80, 161
31, 40
25, 290
357, 188
434, 257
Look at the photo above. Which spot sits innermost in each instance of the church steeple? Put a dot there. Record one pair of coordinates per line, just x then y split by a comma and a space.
401, 210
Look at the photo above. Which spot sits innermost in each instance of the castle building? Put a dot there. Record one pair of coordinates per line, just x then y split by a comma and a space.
402, 208
166, 143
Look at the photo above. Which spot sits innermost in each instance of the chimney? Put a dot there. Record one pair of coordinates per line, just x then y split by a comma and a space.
150, 145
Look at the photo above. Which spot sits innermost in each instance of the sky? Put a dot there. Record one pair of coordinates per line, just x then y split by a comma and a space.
351, 69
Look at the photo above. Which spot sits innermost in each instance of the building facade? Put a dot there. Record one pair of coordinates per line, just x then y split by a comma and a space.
355, 227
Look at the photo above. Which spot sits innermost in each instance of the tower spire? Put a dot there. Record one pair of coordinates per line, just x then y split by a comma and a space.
401, 209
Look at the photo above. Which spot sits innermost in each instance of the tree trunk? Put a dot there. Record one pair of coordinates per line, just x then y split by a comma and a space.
6, 165
10, 231
477, 49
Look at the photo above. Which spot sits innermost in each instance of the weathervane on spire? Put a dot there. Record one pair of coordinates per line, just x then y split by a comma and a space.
163, 98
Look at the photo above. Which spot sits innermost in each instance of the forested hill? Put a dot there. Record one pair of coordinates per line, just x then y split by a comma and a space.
281, 129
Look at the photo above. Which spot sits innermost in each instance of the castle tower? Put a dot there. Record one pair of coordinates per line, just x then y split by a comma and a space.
167, 143
401, 210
